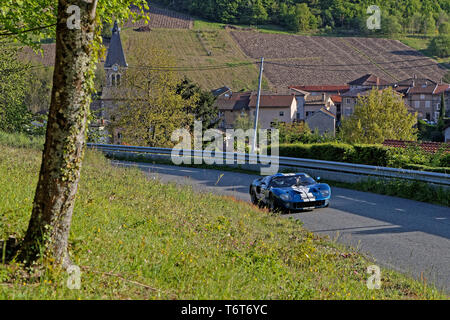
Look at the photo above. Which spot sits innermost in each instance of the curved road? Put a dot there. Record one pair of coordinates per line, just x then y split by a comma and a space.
409, 236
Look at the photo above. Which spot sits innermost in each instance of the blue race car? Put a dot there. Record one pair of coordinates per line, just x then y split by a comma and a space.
290, 192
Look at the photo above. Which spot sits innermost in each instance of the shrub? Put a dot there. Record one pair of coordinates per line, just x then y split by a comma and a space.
376, 155
444, 161
331, 151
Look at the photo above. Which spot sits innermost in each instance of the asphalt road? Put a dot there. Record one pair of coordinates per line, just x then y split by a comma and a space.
409, 236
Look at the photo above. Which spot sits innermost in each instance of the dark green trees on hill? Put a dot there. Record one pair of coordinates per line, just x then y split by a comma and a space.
414, 16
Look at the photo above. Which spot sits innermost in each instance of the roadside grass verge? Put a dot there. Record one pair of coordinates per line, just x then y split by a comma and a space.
140, 239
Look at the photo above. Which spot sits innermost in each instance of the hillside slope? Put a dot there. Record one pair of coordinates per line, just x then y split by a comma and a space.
335, 60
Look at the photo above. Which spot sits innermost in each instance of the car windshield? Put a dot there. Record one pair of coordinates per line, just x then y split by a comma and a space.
289, 181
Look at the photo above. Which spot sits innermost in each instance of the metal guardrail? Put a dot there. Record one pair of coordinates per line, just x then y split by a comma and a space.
244, 158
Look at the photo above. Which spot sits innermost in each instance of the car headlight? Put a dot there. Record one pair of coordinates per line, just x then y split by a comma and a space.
325, 193
285, 196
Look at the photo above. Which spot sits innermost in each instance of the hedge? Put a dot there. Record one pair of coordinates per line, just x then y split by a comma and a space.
376, 155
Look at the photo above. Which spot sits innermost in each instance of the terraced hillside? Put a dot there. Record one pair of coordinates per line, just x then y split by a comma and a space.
163, 18
333, 60
201, 49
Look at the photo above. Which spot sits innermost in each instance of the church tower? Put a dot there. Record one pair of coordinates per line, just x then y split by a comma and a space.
115, 64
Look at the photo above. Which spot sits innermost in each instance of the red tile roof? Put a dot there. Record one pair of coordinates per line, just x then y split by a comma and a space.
441, 88
336, 98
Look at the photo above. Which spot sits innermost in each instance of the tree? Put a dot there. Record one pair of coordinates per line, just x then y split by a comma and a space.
150, 108
39, 88
390, 25
444, 28
380, 115
77, 24
293, 132
14, 114
205, 109
428, 24
440, 46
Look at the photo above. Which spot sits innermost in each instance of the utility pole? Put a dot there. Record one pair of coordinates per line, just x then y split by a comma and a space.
257, 107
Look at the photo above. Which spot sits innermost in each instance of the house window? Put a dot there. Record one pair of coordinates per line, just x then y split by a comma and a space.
348, 100
220, 114
427, 104
281, 113
416, 104
422, 97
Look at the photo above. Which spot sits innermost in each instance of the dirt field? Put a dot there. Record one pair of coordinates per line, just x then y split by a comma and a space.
199, 49
163, 18
331, 60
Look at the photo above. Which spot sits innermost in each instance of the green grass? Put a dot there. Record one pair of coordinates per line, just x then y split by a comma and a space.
20, 140
135, 238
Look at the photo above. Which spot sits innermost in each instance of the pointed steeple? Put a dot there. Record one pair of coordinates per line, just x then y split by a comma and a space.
115, 51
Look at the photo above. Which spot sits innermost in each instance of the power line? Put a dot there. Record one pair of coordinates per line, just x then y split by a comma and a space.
27, 30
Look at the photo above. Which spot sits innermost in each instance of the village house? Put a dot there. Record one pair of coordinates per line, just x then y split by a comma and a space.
359, 88
424, 96
230, 106
447, 133
272, 108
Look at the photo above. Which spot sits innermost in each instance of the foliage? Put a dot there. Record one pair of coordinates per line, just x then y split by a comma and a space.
135, 239
412, 157
390, 25
444, 28
379, 116
150, 108
414, 190
204, 109
244, 122
21, 140
38, 88
293, 132
440, 46
14, 114
415, 15
428, 132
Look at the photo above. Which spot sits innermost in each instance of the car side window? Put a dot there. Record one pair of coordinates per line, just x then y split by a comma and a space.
266, 181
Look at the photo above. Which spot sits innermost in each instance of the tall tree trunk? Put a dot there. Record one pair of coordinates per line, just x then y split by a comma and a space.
50, 222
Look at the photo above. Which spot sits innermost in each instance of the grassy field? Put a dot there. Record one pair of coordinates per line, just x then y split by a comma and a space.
139, 239
421, 43
195, 48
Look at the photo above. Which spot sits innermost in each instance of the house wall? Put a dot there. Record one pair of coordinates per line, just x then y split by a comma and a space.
348, 106
322, 122
300, 107
447, 134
